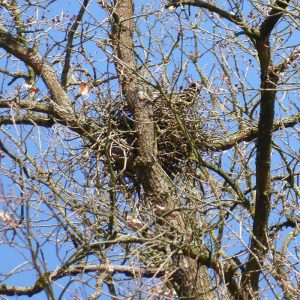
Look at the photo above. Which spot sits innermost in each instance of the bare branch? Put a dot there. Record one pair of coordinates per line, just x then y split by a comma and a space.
34, 59
274, 16
250, 133
65, 71
78, 270
215, 9
28, 120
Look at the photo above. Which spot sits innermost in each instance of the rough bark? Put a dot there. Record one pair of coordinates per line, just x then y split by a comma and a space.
189, 280
35, 60
269, 80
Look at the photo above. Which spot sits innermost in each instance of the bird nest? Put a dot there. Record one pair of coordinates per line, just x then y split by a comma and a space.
179, 126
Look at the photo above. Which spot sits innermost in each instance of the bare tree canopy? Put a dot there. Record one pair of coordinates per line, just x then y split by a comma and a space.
149, 149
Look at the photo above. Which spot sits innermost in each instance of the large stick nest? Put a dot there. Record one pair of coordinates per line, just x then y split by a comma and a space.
179, 124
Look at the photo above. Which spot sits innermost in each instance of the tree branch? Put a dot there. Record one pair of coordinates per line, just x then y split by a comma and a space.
273, 17
78, 270
31, 57
15, 75
269, 82
249, 134
157, 185
83, 126
29, 105
215, 9
65, 71
28, 120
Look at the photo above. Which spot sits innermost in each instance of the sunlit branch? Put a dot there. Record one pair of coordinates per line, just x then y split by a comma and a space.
34, 59
215, 9
78, 270
28, 120
250, 134
65, 71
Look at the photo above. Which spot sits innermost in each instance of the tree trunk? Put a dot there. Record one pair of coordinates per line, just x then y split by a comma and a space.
190, 280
